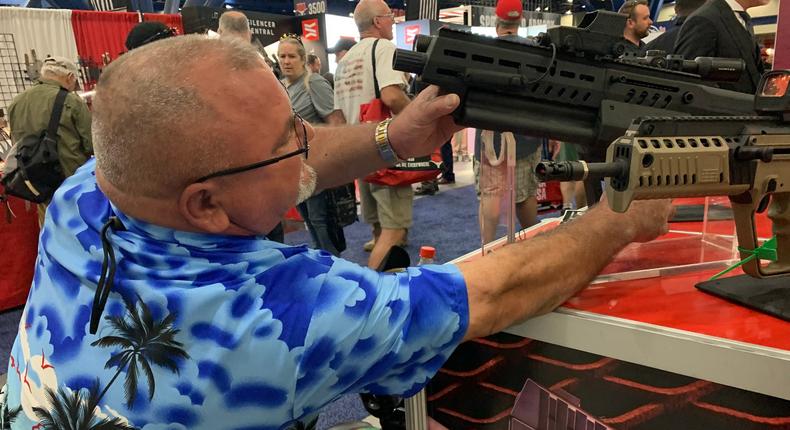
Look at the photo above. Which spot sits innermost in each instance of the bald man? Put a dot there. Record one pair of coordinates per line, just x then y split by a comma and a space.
234, 24
387, 209
157, 301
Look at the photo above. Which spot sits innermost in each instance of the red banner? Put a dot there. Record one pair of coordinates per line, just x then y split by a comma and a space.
411, 33
310, 30
18, 259
98, 33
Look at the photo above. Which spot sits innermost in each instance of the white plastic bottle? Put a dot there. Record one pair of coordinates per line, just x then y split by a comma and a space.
417, 405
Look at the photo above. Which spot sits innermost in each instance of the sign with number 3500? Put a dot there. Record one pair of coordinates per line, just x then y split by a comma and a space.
309, 7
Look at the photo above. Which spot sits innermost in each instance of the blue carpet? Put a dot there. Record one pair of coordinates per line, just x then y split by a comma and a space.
9, 322
446, 221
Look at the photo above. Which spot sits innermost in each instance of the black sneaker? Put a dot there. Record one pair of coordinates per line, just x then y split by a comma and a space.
420, 191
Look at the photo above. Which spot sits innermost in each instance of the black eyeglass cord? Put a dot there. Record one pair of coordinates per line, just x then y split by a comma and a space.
107, 278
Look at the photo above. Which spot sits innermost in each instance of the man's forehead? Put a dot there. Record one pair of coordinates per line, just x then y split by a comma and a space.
247, 101
253, 85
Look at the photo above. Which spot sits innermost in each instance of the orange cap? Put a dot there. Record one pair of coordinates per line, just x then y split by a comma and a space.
427, 252
509, 10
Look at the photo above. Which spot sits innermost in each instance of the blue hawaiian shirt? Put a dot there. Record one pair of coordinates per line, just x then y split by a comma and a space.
214, 332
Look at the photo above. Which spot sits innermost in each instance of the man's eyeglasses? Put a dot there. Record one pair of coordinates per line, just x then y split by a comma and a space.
389, 15
303, 146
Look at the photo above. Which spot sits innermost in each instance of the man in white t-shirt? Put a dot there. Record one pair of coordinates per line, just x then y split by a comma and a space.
387, 209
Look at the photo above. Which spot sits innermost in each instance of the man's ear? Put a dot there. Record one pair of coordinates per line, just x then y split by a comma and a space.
198, 204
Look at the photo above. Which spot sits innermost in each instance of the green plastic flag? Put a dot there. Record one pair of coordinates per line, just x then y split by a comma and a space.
766, 251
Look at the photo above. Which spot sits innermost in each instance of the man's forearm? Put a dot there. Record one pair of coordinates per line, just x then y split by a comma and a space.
335, 118
341, 154
399, 104
395, 98
535, 276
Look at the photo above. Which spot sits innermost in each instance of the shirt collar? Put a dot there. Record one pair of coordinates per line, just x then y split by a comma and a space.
50, 82
186, 238
734, 5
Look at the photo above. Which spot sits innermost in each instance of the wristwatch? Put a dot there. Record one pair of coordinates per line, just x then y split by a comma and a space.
383, 143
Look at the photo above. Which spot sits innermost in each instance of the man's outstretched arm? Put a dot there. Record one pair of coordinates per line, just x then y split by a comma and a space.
533, 277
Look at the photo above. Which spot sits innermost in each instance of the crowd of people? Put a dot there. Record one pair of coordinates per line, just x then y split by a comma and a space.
161, 260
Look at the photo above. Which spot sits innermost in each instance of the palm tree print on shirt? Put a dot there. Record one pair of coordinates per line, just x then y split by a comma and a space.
74, 410
143, 341
9, 416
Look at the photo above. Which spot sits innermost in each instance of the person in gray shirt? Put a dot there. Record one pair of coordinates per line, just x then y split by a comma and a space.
312, 99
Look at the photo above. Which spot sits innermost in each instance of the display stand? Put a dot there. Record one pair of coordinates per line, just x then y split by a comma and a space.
640, 352
686, 249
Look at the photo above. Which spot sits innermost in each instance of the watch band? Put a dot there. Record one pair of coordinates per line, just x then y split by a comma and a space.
383, 143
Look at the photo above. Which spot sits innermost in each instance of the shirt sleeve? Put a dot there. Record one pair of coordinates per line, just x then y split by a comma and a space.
383, 333
321, 95
385, 51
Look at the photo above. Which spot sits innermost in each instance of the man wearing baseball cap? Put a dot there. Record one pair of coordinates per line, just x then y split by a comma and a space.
509, 13
489, 165
30, 111
147, 32
341, 47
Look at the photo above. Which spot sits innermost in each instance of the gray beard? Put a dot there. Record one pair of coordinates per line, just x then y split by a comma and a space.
307, 183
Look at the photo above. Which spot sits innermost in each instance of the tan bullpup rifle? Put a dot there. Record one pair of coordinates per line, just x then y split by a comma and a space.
744, 157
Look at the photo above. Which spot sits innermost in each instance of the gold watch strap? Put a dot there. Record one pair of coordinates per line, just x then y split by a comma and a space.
386, 151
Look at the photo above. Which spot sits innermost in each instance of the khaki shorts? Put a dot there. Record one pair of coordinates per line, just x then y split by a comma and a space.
495, 178
390, 207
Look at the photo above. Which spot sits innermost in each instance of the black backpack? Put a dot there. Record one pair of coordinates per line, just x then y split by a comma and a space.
32, 171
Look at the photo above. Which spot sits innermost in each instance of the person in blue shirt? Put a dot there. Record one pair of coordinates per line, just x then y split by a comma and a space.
158, 303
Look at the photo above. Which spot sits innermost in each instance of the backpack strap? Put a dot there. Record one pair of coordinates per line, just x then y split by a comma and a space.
57, 111
375, 79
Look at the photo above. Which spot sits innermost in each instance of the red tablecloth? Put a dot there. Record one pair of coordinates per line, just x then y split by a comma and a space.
672, 301
18, 244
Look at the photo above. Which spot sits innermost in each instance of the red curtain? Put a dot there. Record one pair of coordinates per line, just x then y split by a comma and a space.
169, 20
19, 241
98, 33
